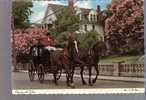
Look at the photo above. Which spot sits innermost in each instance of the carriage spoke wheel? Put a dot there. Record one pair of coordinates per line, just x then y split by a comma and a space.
31, 72
41, 73
59, 74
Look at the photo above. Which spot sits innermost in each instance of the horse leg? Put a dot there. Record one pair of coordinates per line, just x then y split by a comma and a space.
72, 73
67, 77
81, 72
55, 79
97, 73
90, 69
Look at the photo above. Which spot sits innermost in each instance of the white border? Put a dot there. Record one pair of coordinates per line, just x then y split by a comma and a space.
79, 91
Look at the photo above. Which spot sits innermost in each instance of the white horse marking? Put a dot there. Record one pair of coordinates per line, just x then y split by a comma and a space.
76, 46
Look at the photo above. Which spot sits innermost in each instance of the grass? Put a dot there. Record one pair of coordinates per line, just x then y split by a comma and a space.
126, 59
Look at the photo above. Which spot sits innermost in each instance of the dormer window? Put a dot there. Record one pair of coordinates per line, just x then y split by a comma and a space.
93, 27
91, 17
97, 17
85, 27
50, 19
94, 17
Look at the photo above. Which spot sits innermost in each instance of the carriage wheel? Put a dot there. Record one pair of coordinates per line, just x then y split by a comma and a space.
41, 73
31, 72
59, 74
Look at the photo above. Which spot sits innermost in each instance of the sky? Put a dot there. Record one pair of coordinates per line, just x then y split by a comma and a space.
39, 7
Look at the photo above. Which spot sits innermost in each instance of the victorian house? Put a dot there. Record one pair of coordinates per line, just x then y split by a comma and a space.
88, 17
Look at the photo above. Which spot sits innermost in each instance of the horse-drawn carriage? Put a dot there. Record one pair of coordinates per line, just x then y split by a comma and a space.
45, 61
37, 65
41, 64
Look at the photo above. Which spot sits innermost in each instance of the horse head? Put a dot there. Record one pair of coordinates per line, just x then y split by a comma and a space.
73, 47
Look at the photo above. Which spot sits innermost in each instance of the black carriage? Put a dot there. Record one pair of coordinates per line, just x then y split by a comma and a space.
40, 64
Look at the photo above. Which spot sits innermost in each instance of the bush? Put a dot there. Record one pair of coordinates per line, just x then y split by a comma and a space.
87, 40
61, 38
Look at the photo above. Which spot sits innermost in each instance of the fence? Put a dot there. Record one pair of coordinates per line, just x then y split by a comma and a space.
129, 70
135, 70
115, 69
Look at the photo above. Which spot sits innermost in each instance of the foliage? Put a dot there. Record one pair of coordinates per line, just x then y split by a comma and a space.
87, 40
66, 21
20, 13
61, 38
126, 59
102, 16
125, 26
23, 41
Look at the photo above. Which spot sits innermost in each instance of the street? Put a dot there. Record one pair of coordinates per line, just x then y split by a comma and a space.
20, 80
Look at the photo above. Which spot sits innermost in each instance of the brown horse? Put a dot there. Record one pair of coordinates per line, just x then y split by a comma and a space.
87, 58
60, 60
74, 60
91, 59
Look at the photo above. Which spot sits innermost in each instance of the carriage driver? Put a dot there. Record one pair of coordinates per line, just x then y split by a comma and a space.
34, 52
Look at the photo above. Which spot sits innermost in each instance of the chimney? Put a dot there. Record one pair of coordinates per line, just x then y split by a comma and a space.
71, 4
98, 9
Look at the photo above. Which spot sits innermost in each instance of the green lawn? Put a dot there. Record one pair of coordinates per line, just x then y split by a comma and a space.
127, 59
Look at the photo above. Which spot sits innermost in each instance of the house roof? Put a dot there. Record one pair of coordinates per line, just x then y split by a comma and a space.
58, 8
55, 7
85, 10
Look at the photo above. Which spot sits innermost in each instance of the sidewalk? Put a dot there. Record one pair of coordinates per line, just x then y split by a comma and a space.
130, 79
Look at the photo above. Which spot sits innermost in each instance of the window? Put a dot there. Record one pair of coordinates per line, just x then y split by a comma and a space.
93, 27
97, 17
91, 17
94, 17
50, 20
85, 27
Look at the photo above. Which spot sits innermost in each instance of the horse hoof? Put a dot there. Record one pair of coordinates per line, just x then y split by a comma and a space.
72, 85
93, 81
90, 84
84, 83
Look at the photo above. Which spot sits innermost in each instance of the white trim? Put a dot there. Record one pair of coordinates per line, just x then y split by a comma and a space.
79, 91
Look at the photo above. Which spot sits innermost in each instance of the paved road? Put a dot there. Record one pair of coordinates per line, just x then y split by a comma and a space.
20, 80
